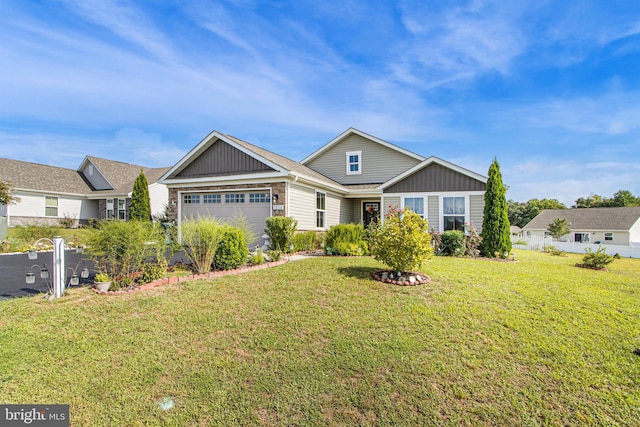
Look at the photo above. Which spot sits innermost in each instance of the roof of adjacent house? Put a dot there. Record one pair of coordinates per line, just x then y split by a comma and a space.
122, 175
606, 219
44, 178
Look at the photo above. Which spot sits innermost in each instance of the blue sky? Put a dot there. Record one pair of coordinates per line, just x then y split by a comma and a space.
550, 88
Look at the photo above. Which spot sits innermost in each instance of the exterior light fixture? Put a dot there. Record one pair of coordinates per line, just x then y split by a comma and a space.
33, 254
44, 273
275, 198
84, 273
30, 279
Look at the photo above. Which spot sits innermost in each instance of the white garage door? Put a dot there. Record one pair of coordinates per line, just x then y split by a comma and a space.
255, 205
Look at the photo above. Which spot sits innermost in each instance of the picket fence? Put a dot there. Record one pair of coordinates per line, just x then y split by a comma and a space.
538, 243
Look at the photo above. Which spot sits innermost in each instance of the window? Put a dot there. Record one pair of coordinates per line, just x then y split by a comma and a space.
453, 211
50, 206
416, 204
608, 236
258, 197
211, 198
581, 237
110, 211
320, 209
354, 162
191, 199
122, 209
234, 198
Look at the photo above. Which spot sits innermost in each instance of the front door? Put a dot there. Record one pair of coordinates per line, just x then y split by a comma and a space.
370, 212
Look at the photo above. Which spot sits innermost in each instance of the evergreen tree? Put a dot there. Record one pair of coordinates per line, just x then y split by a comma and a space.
496, 236
140, 208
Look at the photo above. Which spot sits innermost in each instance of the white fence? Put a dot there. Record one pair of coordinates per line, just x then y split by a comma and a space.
537, 243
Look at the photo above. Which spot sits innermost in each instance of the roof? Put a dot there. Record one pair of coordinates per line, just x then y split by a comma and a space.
282, 165
350, 131
126, 186
44, 178
606, 219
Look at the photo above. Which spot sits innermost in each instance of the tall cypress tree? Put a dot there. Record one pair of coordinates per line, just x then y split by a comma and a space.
140, 207
496, 235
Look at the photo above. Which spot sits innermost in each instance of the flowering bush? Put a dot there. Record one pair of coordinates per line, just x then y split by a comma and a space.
402, 241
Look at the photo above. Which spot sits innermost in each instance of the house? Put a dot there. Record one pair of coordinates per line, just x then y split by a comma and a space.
612, 226
355, 177
99, 188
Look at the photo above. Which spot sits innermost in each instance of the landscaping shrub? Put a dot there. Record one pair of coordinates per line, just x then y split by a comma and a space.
256, 258
597, 260
232, 250
305, 241
120, 248
153, 271
200, 240
346, 239
281, 229
452, 243
402, 241
472, 240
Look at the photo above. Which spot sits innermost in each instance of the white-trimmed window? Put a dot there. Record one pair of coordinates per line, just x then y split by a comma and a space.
608, 237
453, 213
122, 209
320, 209
234, 198
211, 198
258, 197
354, 162
50, 206
416, 204
191, 199
110, 209
582, 237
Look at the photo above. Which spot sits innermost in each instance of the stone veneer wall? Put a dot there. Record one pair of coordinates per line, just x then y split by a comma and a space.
279, 188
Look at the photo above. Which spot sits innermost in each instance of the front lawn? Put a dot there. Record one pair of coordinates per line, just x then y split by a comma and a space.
318, 342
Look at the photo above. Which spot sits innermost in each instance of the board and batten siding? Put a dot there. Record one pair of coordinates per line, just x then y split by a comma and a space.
436, 178
379, 163
222, 159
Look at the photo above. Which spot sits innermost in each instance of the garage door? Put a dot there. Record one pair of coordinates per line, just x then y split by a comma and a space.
254, 205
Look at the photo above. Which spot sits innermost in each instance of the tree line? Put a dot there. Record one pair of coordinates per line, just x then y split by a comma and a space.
520, 213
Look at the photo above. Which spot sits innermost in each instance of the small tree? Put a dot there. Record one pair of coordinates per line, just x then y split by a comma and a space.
496, 236
558, 228
280, 229
6, 197
140, 208
402, 241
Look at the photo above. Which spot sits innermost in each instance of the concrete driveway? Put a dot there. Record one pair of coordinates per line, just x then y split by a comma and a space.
14, 268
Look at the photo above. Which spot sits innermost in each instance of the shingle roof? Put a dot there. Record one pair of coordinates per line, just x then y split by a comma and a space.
285, 163
606, 219
126, 186
35, 176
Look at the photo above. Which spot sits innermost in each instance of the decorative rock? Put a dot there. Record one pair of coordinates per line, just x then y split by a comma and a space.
384, 276
412, 279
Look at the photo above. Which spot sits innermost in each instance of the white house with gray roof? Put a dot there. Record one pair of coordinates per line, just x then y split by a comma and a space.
99, 188
610, 226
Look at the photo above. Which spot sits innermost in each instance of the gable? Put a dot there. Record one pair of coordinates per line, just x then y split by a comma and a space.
222, 159
436, 178
379, 162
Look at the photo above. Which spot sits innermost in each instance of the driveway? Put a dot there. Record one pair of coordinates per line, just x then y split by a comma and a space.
14, 268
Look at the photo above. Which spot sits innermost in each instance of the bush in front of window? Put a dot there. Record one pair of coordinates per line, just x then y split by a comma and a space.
402, 241
452, 243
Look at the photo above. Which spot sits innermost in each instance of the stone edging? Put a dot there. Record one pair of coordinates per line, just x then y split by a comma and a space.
418, 279
176, 279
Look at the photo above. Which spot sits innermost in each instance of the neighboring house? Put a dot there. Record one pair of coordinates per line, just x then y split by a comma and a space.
99, 188
613, 226
353, 178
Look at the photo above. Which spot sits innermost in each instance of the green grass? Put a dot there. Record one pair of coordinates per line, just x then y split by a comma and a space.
317, 342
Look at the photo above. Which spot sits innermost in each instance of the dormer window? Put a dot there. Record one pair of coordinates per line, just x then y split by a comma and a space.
354, 162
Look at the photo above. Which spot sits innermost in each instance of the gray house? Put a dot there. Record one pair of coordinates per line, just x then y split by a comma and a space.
355, 177
613, 226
